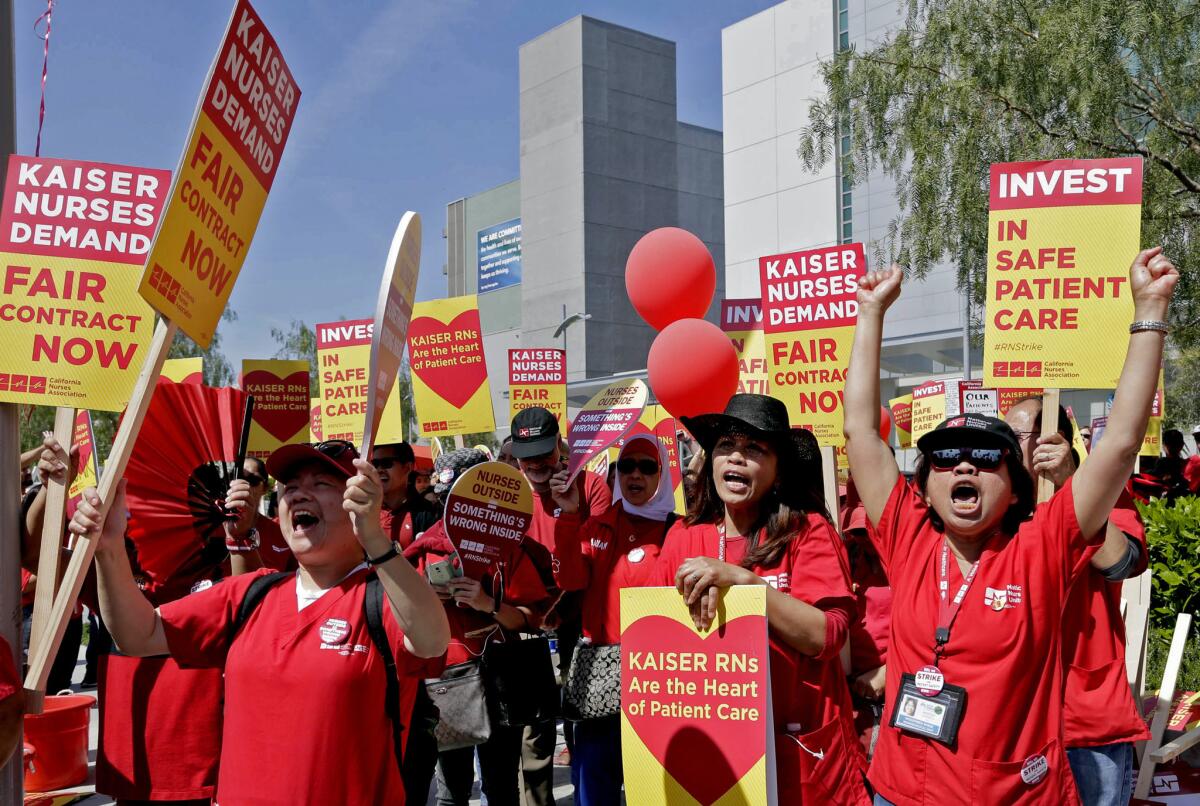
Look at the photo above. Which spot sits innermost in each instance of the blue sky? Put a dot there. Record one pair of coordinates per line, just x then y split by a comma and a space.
405, 105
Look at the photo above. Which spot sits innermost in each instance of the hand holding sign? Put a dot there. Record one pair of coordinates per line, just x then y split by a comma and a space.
393, 310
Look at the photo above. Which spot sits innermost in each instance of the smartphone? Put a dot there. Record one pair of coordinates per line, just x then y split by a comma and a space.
442, 571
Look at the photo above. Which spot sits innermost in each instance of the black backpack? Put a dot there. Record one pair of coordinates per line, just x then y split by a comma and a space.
373, 611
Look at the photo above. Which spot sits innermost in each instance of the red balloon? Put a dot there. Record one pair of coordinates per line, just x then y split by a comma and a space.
693, 368
670, 276
885, 423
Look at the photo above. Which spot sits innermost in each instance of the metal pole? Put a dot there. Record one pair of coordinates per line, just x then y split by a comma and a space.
11, 775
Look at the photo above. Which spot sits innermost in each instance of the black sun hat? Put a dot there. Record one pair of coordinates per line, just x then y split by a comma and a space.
753, 415
956, 430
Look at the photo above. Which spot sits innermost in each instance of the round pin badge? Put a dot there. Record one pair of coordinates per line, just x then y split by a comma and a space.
335, 631
1034, 769
637, 555
930, 680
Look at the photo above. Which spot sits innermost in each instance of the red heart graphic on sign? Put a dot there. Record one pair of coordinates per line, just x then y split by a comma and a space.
457, 382
728, 746
279, 417
902, 415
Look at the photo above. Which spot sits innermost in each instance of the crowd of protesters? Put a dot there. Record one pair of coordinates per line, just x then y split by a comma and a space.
340, 655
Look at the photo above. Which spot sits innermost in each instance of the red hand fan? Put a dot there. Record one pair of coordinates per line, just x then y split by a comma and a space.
185, 456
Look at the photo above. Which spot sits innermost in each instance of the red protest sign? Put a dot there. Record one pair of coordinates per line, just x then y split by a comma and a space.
488, 512
603, 420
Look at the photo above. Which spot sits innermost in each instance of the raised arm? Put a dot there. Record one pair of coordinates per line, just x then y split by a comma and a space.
871, 461
1098, 484
129, 616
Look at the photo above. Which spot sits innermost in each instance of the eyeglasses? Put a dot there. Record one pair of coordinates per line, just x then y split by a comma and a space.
647, 467
334, 448
982, 458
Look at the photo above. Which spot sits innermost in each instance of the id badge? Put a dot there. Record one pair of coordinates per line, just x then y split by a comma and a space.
935, 716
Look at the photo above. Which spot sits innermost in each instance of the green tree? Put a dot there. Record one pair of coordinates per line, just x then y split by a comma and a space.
298, 342
965, 83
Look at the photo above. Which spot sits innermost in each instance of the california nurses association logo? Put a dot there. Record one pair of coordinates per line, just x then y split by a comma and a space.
335, 631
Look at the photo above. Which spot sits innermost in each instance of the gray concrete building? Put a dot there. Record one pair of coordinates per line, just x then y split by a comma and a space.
604, 159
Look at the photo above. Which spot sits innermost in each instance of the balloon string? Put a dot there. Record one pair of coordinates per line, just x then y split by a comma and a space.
37, 148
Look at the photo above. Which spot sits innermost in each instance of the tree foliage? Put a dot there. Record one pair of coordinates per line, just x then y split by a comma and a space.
965, 83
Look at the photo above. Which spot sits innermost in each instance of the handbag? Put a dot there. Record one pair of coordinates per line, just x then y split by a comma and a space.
460, 697
522, 687
593, 687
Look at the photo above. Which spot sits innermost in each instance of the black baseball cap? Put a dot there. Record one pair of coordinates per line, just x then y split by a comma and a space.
957, 430
534, 432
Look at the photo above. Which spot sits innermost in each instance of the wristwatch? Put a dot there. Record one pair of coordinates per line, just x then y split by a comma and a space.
248, 542
394, 551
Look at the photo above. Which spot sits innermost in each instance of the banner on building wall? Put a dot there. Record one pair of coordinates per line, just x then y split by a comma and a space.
742, 321
1061, 236
281, 404
538, 378
809, 313
73, 238
499, 252
343, 362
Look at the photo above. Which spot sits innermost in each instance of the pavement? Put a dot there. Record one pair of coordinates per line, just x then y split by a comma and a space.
563, 791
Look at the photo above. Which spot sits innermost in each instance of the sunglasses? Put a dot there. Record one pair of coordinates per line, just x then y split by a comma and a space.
253, 479
981, 458
647, 467
383, 464
335, 448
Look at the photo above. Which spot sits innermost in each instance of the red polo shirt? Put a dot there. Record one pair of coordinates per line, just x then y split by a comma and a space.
1005, 649
10, 683
304, 692
595, 499
1098, 707
809, 692
273, 550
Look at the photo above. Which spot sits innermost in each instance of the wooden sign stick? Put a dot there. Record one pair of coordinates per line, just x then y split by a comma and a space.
1162, 709
81, 557
52, 531
830, 485
1050, 403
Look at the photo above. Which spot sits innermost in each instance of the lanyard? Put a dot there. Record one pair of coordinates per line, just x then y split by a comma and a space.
948, 609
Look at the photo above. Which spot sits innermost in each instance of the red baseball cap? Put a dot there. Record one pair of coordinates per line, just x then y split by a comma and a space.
335, 455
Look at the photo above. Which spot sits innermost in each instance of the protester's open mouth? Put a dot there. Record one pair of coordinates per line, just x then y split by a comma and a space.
735, 482
964, 496
635, 488
303, 519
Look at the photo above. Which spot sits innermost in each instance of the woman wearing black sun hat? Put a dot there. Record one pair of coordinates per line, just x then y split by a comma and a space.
760, 519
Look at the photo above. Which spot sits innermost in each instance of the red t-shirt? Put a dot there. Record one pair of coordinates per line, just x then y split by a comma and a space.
1005, 649
304, 692
469, 627
1191, 473
618, 551
1098, 707
274, 551
810, 692
595, 500
873, 599
10, 683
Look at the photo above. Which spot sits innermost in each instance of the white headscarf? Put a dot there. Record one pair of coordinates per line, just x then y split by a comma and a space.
662, 503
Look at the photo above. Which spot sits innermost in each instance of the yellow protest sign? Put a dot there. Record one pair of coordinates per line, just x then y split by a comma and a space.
87, 461
1061, 236
741, 319
281, 400
928, 408
902, 417
712, 707
809, 312
183, 370
538, 378
225, 173
343, 361
316, 431
1152, 443
73, 238
449, 375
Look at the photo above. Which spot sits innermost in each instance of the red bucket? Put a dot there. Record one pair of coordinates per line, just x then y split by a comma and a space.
58, 738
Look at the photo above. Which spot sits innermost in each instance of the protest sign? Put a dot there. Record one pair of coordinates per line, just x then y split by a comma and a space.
928, 408
599, 463
809, 312
393, 310
538, 378
742, 321
315, 430
955, 388
488, 512
603, 420
226, 170
1077, 442
657, 422
688, 697
902, 415
449, 373
281, 404
1061, 235
73, 238
1007, 398
87, 462
183, 370
1152, 443
344, 361
981, 401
